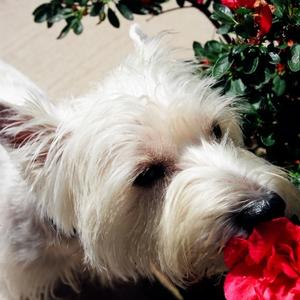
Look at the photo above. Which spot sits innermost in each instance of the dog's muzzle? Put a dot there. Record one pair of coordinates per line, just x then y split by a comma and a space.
264, 208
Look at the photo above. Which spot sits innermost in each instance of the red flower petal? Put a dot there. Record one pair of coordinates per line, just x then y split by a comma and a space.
280, 264
235, 251
267, 265
247, 3
280, 229
240, 288
295, 291
258, 248
264, 19
235, 4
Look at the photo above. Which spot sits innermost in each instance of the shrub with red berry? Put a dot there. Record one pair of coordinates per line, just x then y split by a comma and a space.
261, 63
257, 58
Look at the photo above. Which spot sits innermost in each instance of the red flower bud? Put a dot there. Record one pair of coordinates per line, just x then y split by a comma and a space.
290, 43
205, 61
280, 68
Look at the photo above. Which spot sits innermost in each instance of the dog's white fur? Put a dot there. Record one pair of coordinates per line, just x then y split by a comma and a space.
72, 166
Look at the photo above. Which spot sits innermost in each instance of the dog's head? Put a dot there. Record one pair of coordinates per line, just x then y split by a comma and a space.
149, 168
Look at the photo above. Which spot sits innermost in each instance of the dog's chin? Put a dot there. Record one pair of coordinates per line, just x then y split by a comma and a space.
216, 274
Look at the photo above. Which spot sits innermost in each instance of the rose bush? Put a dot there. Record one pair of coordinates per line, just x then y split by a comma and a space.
266, 266
261, 63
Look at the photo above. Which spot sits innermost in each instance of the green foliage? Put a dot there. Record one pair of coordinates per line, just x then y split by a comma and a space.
295, 174
72, 12
258, 59
261, 65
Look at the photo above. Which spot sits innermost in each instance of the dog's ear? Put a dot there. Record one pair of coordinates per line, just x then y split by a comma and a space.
32, 123
32, 132
137, 35
149, 49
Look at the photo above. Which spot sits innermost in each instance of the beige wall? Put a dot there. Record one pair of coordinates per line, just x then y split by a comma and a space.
67, 67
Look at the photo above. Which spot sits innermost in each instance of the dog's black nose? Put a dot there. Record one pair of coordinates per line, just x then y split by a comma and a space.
264, 208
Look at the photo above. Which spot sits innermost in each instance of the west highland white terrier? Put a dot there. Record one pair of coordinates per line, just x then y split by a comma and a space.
148, 170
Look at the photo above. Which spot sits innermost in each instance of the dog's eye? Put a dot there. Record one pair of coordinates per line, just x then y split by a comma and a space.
150, 175
217, 132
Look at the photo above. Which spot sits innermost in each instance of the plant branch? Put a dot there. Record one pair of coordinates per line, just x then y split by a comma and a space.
169, 10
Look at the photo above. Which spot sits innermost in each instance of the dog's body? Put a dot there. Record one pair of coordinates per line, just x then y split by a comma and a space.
147, 170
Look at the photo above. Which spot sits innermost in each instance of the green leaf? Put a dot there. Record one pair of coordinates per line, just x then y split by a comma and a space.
245, 28
279, 11
294, 60
42, 7
275, 58
224, 29
296, 15
263, 49
243, 11
198, 49
83, 2
223, 14
96, 9
237, 87
268, 141
295, 176
283, 46
125, 11
250, 65
279, 86
64, 31
221, 66
214, 46
213, 50
71, 23
268, 75
180, 2
56, 18
256, 105
49, 24
280, 8
112, 18
66, 11
41, 13
70, 2
238, 49
102, 16
78, 27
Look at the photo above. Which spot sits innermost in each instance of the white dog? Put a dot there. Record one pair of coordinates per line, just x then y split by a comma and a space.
146, 170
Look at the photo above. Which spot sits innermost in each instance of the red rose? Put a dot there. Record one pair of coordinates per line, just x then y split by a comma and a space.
235, 4
200, 1
266, 266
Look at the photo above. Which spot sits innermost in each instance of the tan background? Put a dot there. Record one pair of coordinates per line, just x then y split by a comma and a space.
69, 66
